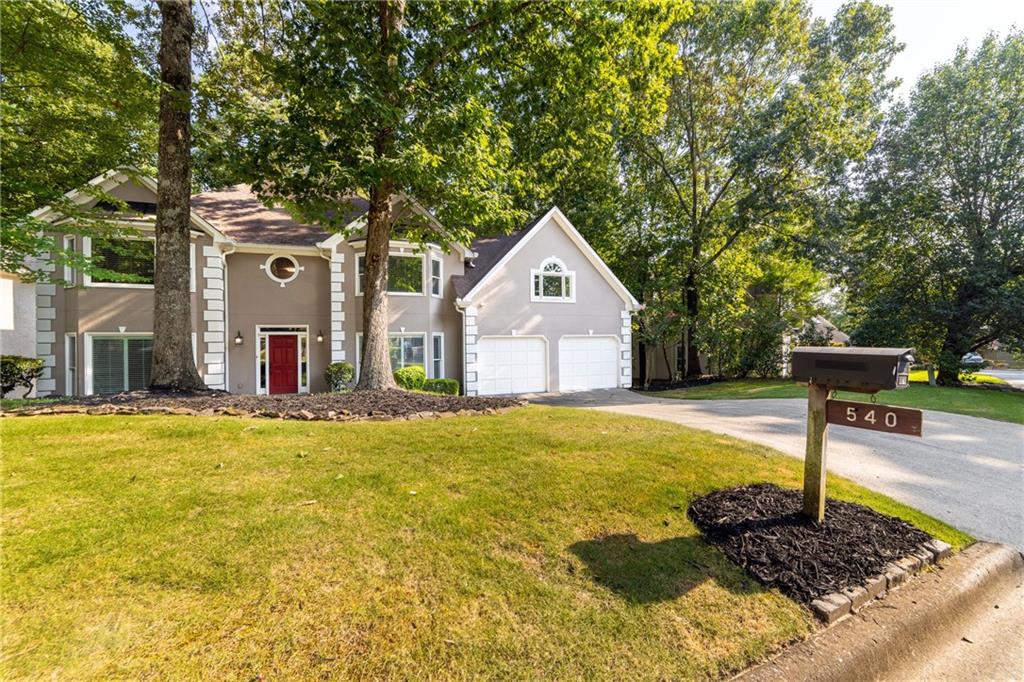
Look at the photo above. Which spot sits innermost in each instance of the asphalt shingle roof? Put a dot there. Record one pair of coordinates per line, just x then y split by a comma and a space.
239, 214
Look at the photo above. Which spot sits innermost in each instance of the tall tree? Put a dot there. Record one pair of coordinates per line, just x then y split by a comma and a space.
77, 100
938, 249
173, 363
766, 110
388, 98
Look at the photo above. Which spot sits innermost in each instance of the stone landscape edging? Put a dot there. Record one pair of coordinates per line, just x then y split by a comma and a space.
832, 607
301, 415
868, 644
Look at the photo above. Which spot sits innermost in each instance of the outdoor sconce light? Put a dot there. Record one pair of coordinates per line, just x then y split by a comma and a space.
238, 338
320, 336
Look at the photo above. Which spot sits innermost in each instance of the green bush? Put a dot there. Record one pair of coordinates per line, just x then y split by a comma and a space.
339, 375
442, 386
411, 378
16, 370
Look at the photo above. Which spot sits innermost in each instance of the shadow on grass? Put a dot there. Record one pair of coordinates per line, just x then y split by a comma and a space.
650, 572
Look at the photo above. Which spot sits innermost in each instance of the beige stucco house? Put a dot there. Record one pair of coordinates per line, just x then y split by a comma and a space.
274, 301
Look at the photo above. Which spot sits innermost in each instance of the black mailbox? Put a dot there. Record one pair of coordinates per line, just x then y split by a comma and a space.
864, 370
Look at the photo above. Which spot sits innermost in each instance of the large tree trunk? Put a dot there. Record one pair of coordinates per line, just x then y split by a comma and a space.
375, 367
692, 310
173, 363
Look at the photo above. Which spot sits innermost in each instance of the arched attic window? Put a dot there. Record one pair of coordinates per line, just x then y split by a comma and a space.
553, 282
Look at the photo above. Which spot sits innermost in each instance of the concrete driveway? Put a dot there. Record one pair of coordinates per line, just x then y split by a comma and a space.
966, 471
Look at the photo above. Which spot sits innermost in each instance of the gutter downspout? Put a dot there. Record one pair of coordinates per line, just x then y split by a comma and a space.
462, 313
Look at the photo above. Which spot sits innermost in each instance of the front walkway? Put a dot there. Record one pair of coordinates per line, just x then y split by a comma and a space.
966, 471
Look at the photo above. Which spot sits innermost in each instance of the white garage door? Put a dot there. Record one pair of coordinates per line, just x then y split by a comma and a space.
511, 365
586, 362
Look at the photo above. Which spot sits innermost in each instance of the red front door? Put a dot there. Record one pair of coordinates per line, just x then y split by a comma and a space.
284, 360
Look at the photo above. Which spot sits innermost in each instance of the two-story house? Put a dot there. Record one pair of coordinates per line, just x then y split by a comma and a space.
274, 301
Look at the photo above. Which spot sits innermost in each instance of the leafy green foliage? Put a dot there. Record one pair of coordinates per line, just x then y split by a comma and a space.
77, 101
766, 109
937, 248
442, 386
411, 378
16, 370
339, 375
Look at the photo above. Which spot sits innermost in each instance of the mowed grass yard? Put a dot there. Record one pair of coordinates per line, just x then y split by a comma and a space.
974, 402
544, 543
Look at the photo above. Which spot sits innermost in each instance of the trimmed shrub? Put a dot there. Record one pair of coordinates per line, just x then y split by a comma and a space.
411, 378
339, 375
442, 386
17, 370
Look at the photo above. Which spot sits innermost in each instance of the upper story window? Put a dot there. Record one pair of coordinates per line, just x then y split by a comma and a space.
405, 274
436, 283
553, 282
281, 268
131, 258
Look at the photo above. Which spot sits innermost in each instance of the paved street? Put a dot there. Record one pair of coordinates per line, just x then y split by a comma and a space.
967, 471
1014, 377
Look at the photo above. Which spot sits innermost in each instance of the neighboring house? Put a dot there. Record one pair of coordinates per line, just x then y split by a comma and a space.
18, 319
274, 301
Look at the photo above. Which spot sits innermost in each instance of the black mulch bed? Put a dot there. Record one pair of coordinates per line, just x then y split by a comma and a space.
395, 403
760, 528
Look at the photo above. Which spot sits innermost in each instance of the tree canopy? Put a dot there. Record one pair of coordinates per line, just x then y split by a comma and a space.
79, 98
936, 252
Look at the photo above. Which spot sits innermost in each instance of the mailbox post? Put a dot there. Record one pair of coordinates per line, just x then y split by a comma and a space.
863, 370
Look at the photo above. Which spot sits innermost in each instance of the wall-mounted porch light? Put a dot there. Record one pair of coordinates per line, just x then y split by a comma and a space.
238, 338
320, 336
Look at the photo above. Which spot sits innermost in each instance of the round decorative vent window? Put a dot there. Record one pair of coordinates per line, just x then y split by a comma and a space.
282, 268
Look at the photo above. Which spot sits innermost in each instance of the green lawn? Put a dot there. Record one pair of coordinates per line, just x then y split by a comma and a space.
544, 543
1007, 407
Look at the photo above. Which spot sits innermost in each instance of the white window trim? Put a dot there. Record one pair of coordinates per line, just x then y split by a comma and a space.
565, 274
70, 377
440, 276
274, 256
87, 355
433, 358
359, 346
67, 242
359, 280
192, 267
87, 278
263, 381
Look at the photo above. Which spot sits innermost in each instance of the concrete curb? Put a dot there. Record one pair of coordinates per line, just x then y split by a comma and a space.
868, 644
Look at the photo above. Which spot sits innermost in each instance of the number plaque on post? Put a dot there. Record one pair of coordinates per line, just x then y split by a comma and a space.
874, 417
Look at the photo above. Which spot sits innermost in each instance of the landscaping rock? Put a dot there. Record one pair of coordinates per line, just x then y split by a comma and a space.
831, 607
875, 586
858, 597
894, 576
939, 549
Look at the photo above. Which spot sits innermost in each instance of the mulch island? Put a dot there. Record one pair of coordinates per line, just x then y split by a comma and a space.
760, 528
355, 405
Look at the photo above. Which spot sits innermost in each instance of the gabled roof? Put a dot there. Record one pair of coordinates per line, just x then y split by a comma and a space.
500, 250
489, 251
111, 180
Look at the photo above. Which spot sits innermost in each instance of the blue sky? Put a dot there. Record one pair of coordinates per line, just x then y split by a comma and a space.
932, 29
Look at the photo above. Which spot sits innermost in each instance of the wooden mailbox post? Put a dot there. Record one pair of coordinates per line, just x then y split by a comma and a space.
863, 370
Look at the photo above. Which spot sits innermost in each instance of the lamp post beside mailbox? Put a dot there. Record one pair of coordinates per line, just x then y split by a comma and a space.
862, 370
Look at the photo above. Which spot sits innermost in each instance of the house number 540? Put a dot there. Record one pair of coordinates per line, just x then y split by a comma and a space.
890, 417
874, 417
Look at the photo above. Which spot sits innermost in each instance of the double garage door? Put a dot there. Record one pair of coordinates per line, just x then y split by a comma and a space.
520, 364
